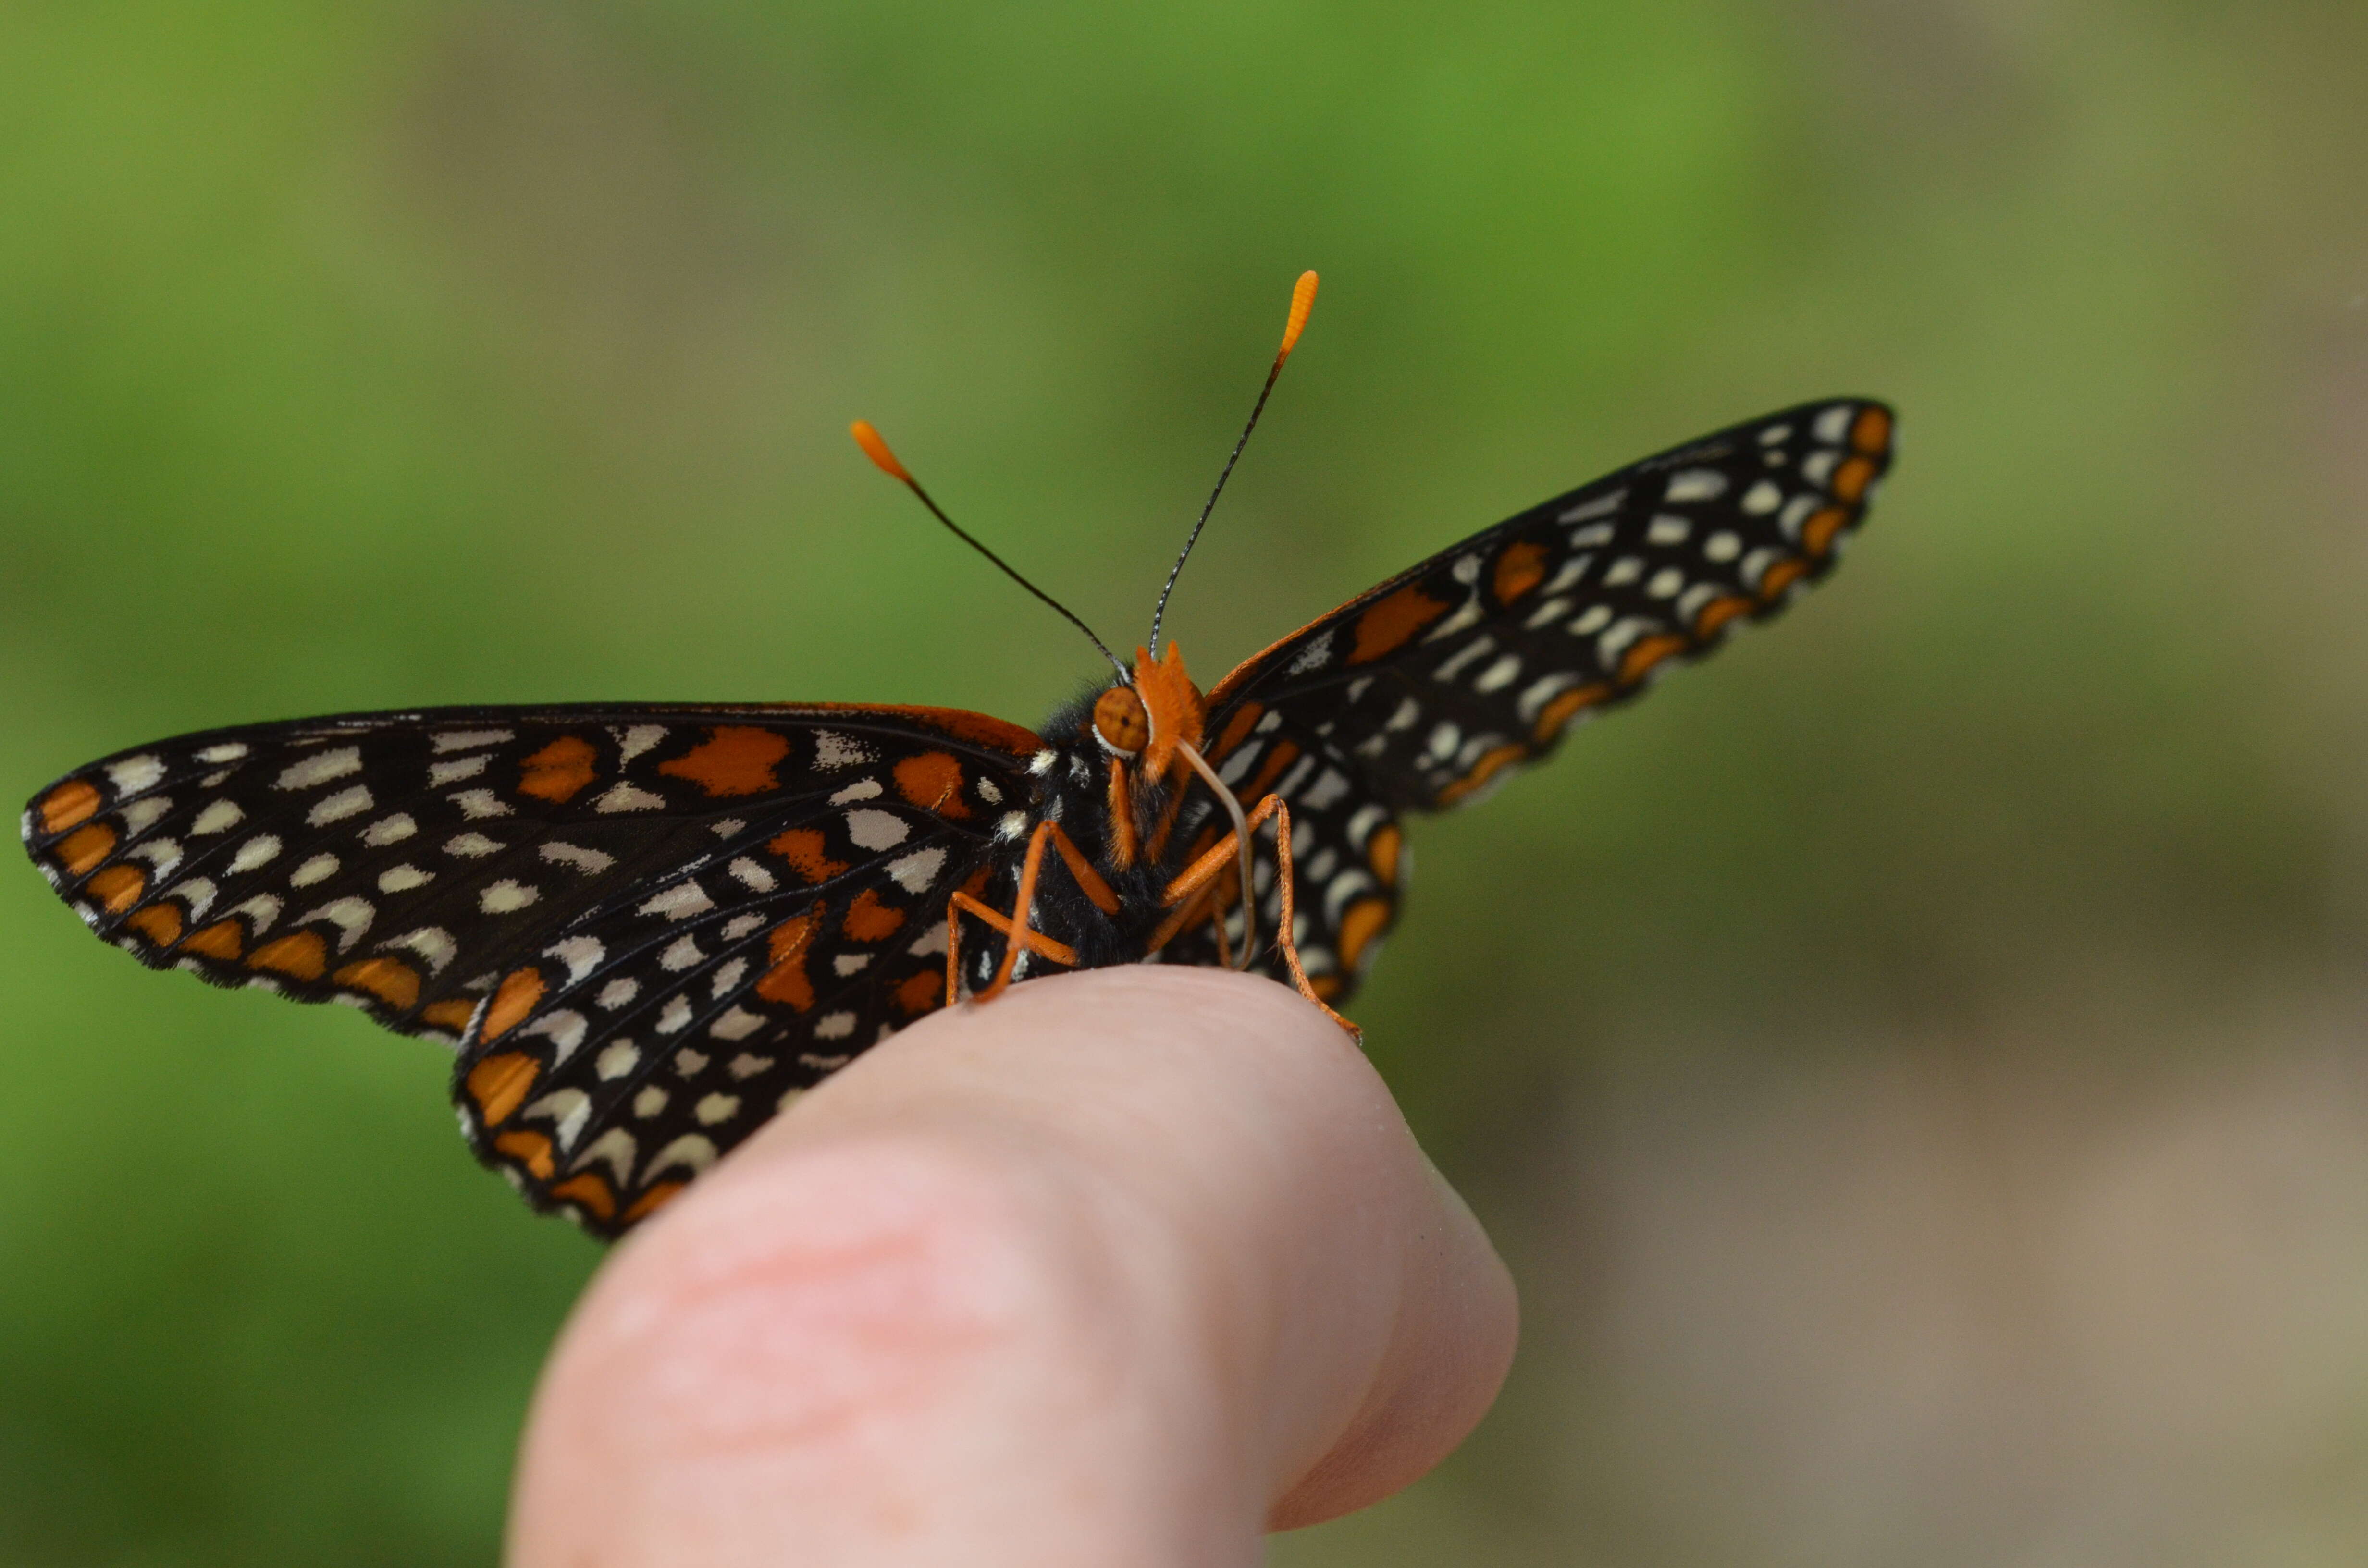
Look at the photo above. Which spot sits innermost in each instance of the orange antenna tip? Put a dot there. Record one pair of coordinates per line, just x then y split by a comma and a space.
877, 449
1303, 300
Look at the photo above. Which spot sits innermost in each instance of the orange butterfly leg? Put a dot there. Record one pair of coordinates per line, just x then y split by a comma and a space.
1018, 933
1204, 870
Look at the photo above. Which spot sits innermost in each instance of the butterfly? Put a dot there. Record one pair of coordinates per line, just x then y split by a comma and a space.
645, 928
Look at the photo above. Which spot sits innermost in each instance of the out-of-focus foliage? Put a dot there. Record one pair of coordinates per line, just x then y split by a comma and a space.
1913, 1062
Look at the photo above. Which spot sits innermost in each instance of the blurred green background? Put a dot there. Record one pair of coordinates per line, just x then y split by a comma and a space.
1914, 1064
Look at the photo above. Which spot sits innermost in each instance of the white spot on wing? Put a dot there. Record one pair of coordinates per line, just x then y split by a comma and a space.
140, 816
1695, 484
689, 1152
470, 740
1666, 529
432, 943
319, 868
751, 875
861, 789
679, 902
632, 739
1499, 675
403, 878
478, 804
834, 751
220, 816
317, 770
680, 954
616, 1058
471, 846
1314, 656
591, 862
917, 871
390, 830
582, 955
617, 992
228, 751
260, 912
338, 807
834, 1025
454, 769
877, 830
260, 850
627, 797
134, 774
1833, 424
1596, 508
507, 896
736, 1023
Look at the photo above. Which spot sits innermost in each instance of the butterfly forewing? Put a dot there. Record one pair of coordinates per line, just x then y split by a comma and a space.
665, 918
1476, 661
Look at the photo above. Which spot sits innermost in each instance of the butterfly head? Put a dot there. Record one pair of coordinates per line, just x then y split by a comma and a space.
1145, 721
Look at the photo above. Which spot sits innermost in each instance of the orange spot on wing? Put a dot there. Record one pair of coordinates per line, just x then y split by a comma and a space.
219, 940
520, 990
1285, 754
1718, 612
1325, 986
1365, 921
84, 847
498, 1084
160, 923
932, 781
300, 953
531, 1150
868, 919
1819, 532
735, 760
1851, 479
392, 981
1482, 771
588, 1192
653, 1200
1381, 853
1387, 623
1558, 713
452, 1014
557, 771
1871, 432
802, 848
117, 887
1648, 651
67, 805
1520, 569
1780, 578
921, 994
1237, 730
786, 981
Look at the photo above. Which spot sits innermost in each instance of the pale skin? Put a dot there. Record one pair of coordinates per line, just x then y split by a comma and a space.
1125, 1267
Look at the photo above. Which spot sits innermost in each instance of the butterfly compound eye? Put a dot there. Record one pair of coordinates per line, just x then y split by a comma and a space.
1119, 722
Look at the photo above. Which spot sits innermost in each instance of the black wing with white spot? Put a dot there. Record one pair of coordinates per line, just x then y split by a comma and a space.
643, 925
1439, 680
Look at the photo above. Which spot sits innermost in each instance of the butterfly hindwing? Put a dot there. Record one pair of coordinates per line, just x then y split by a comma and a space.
1440, 679
485, 875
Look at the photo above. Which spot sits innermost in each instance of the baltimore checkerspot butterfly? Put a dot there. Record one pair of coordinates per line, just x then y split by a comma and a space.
644, 928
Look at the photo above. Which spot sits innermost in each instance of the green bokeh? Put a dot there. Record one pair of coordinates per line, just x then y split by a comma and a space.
366, 355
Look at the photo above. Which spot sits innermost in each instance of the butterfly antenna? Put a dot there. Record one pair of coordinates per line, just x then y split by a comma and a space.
1303, 300
886, 461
